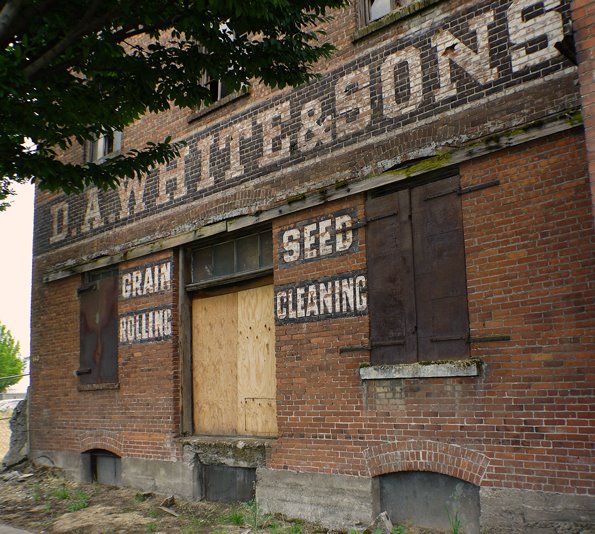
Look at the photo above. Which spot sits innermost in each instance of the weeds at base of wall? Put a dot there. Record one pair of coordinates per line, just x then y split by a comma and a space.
39, 499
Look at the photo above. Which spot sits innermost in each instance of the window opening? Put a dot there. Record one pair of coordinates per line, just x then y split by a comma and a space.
429, 500
218, 90
378, 8
247, 255
104, 146
105, 467
98, 297
416, 274
233, 336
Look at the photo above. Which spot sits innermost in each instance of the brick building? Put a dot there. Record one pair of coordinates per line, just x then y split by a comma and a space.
372, 292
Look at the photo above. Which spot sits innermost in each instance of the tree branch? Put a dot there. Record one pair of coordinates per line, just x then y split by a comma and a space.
9, 11
125, 33
87, 24
27, 14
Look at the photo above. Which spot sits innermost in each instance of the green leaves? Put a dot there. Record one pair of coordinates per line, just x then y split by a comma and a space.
10, 361
72, 71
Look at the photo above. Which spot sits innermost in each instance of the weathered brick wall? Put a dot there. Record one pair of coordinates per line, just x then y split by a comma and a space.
352, 123
319, 404
530, 268
524, 423
583, 14
141, 416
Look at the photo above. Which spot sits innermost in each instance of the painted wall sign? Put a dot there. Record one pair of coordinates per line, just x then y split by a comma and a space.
146, 326
145, 280
315, 239
327, 298
456, 61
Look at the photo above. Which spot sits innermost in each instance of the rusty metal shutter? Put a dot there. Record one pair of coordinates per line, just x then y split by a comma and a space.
440, 280
99, 331
416, 274
391, 279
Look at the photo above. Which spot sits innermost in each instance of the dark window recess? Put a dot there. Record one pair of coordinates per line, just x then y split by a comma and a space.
218, 90
222, 483
247, 254
416, 275
105, 467
99, 328
429, 500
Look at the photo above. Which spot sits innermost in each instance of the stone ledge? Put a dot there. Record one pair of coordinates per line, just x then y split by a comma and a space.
214, 106
228, 450
98, 387
441, 369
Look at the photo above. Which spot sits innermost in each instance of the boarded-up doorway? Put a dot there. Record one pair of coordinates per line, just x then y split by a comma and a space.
233, 351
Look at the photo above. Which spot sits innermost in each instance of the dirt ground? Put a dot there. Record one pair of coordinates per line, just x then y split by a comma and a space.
41, 501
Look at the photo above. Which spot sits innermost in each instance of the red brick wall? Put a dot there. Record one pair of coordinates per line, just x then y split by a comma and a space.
583, 14
523, 423
530, 270
319, 411
138, 419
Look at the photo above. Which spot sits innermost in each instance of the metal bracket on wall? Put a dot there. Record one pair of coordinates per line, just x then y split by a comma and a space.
489, 339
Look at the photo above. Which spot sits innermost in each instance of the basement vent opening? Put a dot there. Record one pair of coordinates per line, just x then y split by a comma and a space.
222, 483
430, 500
103, 467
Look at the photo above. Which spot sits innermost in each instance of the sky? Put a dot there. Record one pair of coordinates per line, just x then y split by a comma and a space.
16, 234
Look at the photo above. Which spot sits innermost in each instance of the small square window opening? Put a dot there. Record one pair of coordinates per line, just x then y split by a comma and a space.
104, 146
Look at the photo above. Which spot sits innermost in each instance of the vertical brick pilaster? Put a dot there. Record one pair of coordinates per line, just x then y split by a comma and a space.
583, 14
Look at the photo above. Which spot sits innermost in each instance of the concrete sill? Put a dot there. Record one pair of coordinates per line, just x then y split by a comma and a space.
205, 110
466, 367
234, 451
98, 387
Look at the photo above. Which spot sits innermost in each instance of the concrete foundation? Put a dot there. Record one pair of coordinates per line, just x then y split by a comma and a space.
512, 511
68, 462
333, 501
339, 501
172, 478
175, 478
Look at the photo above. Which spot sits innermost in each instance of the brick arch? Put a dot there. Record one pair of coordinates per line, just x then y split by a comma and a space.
108, 441
425, 455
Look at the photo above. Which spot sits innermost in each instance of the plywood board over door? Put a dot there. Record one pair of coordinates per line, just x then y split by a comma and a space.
214, 367
256, 362
234, 363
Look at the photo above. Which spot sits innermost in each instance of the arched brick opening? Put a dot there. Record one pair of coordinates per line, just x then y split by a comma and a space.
425, 455
105, 442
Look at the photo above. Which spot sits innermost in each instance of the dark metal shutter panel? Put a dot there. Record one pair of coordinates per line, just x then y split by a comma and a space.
441, 285
99, 332
390, 279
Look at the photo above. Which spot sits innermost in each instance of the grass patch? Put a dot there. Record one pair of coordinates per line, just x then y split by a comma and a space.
79, 501
62, 493
296, 528
237, 518
36, 493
